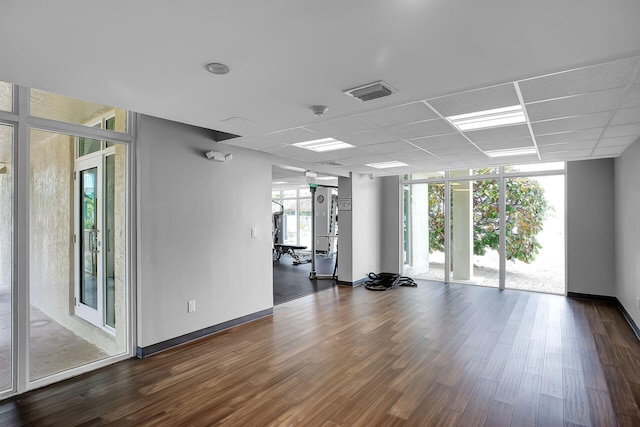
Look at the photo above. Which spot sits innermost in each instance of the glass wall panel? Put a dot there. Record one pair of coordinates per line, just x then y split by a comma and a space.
424, 231
6, 96
305, 222
536, 167
475, 232
57, 107
6, 202
535, 239
290, 222
77, 254
424, 175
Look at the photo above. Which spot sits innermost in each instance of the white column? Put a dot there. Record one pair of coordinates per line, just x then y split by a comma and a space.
462, 238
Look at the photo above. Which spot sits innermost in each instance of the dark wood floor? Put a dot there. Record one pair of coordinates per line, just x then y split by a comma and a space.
292, 281
432, 355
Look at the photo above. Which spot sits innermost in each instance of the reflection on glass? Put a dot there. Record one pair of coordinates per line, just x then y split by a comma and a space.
89, 239
289, 194
535, 234
422, 175
65, 270
536, 167
486, 171
57, 107
89, 145
6, 96
109, 240
6, 198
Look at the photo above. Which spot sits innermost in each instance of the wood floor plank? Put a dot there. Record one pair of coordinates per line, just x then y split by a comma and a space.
550, 411
601, 408
437, 355
475, 413
576, 400
525, 411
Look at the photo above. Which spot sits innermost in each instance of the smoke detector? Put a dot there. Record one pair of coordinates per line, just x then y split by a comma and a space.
371, 91
318, 110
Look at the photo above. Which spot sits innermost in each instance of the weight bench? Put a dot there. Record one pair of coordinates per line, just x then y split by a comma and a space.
280, 249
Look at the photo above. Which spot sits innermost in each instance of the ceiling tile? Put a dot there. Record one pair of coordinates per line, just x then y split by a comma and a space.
569, 146
504, 132
559, 138
439, 141
254, 142
347, 153
574, 123
477, 100
368, 137
465, 156
402, 114
612, 142
609, 151
594, 102
341, 126
291, 136
421, 129
566, 155
622, 130
633, 97
506, 143
455, 149
373, 158
412, 156
589, 79
287, 151
390, 147
626, 116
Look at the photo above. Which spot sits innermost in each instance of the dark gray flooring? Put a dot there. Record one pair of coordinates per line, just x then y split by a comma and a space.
292, 281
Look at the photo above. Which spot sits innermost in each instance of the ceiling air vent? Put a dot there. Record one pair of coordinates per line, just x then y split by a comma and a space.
371, 91
334, 164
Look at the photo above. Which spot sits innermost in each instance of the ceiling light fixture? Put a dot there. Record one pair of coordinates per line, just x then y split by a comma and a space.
386, 165
511, 152
488, 118
322, 145
217, 68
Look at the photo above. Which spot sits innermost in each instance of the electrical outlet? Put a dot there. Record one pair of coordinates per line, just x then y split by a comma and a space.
191, 307
254, 232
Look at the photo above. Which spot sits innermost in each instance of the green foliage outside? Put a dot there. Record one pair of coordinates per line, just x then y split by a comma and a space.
526, 210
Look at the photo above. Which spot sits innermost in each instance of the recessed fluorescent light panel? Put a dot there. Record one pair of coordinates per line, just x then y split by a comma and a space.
489, 118
324, 144
386, 165
511, 152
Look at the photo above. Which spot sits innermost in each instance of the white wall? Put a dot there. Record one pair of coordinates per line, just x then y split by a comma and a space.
194, 231
360, 239
627, 229
590, 227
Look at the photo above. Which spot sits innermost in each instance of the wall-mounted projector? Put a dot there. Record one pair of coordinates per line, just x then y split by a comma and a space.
218, 156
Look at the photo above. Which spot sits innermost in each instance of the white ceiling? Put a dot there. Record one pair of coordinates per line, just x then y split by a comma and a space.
575, 65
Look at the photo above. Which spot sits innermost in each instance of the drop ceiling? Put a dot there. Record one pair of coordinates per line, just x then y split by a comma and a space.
573, 66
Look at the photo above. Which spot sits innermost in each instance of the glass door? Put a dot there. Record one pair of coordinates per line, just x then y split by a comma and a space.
6, 225
88, 238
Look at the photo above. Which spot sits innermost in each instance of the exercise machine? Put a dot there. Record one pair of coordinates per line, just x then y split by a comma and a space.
313, 274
